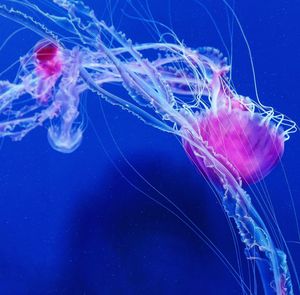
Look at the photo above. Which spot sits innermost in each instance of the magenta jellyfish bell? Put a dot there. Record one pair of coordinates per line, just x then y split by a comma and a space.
49, 62
243, 141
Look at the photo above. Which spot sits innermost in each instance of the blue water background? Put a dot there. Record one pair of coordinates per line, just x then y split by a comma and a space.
72, 224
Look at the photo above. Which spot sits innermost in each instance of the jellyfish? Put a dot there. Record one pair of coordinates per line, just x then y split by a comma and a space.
234, 141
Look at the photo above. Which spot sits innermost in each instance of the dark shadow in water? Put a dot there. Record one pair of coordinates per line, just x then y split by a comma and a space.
123, 243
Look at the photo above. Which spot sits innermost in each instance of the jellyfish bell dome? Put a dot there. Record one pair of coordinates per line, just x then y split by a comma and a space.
240, 140
46, 51
62, 141
48, 59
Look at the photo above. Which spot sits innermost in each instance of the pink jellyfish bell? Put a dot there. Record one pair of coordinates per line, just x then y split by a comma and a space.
48, 57
243, 141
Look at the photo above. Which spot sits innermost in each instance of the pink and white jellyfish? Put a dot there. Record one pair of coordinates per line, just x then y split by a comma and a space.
234, 141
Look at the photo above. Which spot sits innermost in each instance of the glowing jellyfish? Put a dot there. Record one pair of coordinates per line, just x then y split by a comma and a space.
233, 140
246, 145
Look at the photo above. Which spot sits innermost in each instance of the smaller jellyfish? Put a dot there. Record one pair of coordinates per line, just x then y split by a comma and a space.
64, 135
50, 76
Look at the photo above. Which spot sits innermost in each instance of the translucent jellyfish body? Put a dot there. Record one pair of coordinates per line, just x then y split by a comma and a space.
247, 146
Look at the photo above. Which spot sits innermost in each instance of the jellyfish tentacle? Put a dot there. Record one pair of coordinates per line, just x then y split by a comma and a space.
270, 260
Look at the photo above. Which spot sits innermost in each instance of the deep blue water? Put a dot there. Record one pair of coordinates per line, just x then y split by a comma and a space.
73, 224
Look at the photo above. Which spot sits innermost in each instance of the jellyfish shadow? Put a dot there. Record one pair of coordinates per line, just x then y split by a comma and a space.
121, 242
